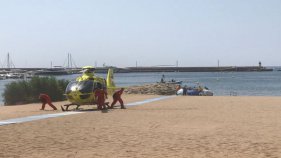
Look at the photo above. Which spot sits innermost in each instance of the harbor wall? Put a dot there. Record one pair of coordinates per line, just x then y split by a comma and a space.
198, 69
158, 69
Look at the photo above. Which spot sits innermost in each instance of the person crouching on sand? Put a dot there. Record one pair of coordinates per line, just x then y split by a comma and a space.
117, 97
45, 99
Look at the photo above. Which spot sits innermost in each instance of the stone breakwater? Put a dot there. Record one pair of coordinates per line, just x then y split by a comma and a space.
157, 88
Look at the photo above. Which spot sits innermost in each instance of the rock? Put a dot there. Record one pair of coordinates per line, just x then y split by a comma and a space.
157, 88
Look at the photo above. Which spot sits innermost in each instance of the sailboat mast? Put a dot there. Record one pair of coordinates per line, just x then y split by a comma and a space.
67, 60
8, 60
70, 60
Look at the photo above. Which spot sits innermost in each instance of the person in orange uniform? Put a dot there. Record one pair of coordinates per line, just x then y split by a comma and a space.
45, 99
100, 96
117, 97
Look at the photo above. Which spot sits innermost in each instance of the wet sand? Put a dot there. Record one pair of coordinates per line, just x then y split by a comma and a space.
182, 126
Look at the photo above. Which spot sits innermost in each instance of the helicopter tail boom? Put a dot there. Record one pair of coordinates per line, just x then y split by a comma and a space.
110, 82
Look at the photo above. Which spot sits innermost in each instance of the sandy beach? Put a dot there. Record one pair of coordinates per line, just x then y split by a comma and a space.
182, 126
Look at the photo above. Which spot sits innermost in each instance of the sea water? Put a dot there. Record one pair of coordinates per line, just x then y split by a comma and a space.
221, 83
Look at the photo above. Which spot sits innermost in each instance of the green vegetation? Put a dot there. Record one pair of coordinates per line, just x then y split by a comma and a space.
23, 92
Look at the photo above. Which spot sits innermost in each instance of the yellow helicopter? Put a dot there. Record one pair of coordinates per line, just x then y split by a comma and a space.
82, 90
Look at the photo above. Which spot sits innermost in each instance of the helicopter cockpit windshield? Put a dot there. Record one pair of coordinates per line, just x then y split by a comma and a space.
82, 86
87, 86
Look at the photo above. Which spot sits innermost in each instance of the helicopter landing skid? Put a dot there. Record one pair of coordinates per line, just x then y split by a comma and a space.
77, 106
68, 105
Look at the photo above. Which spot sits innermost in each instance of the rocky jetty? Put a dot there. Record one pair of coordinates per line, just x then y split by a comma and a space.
157, 88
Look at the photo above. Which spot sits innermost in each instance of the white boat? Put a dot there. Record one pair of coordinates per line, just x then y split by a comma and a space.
14, 75
196, 90
52, 71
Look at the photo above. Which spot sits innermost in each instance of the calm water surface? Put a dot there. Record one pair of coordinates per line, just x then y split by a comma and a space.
221, 83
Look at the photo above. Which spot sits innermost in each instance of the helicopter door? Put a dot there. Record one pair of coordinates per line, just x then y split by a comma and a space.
82, 86
86, 86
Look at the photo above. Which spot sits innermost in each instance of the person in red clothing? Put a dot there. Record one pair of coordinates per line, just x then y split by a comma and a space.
45, 99
117, 97
100, 96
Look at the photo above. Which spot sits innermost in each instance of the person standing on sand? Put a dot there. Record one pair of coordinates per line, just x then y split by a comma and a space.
100, 95
184, 90
163, 79
117, 97
45, 99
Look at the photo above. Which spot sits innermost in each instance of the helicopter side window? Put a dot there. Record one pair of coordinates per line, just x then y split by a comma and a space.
86, 86
98, 85
104, 85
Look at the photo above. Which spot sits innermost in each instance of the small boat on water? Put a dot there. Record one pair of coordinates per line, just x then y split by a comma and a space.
172, 81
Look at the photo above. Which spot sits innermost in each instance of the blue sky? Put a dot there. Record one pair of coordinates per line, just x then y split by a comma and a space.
149, 32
